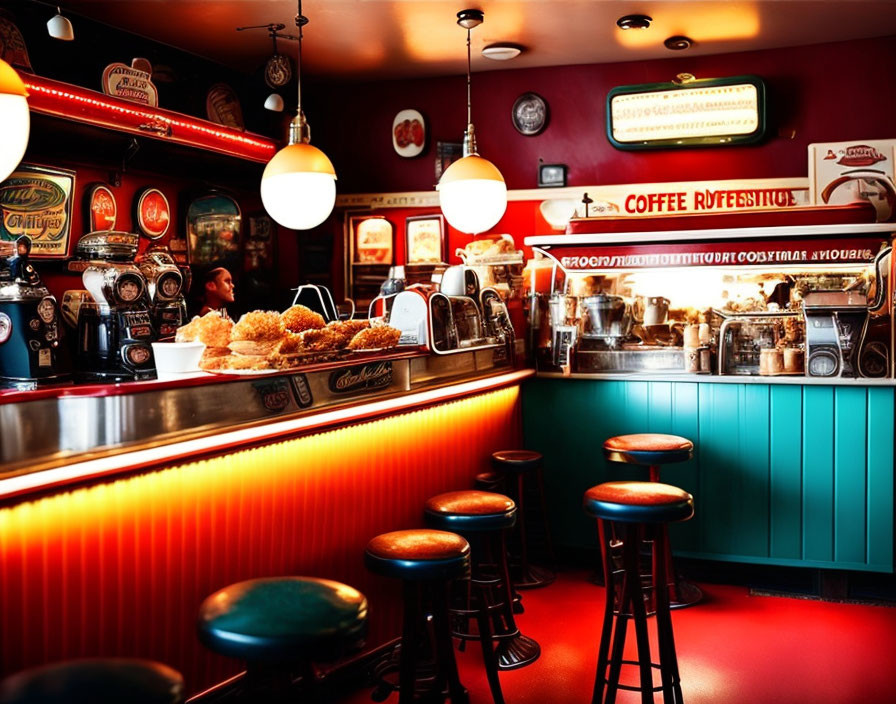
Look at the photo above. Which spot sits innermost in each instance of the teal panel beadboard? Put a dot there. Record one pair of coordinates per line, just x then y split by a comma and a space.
785, 475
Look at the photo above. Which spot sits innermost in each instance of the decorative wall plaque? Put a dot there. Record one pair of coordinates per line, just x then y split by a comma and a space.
129, 83
12, 44
223, 106
408, 133
529, 114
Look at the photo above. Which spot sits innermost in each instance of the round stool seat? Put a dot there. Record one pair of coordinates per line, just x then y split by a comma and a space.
648, 449
516, 460
283, 618
418, 554
638, 502
483, 480
470, 510
95, 681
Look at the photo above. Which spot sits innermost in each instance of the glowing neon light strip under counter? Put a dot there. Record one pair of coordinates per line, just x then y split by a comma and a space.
119, 463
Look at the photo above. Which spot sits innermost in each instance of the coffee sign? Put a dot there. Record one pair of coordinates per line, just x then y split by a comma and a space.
128, 83
37, 202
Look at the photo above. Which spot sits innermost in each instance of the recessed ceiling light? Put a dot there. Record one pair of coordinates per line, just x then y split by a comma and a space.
678, 43
634, 22
501, 51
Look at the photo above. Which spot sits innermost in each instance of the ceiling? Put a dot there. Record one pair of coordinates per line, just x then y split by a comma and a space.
403, 38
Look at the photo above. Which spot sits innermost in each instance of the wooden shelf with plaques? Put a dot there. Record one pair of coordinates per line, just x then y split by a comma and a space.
87, 107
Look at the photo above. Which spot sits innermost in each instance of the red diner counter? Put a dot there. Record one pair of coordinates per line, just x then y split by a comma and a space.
124, 506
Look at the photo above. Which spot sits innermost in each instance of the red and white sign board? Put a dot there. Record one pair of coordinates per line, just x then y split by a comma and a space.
130, 83
691, 197
839, 172
586, 258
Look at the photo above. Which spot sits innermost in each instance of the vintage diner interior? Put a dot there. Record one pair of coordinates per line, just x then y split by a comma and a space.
414, 351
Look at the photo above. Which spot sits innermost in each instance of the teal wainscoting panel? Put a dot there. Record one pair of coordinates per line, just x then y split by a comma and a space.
785, 472
880, 478
850, 473
782, 475
818, 473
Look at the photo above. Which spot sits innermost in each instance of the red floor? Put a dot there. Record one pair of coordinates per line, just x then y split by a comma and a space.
733, 648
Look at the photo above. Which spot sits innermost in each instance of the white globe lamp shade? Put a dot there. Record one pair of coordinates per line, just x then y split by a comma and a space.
298, 187
472, 194
15, 119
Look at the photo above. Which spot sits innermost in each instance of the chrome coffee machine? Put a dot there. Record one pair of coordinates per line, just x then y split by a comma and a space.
115, 330
165, 287
836, 323
30, 353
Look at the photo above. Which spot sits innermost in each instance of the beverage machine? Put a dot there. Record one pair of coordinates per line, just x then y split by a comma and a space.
115, 329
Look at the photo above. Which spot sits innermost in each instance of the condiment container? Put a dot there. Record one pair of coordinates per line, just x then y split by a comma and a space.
793, 360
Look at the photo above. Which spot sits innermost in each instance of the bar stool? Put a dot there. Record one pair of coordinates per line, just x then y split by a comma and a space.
652, 450
629, 512
278, 625
95, 681
512, 469
483, 517
426, 561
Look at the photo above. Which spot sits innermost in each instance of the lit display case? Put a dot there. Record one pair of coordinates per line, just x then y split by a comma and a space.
783, 301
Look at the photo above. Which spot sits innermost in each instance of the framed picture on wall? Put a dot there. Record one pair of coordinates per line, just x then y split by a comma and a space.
425, 238
37, 201
372, 240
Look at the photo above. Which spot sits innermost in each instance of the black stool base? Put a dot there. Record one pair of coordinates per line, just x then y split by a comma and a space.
516, 652
685, 594
532, 577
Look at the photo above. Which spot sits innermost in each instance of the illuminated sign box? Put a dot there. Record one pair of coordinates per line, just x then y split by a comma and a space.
707, 112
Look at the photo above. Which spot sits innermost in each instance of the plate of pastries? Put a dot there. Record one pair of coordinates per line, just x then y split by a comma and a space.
264, 341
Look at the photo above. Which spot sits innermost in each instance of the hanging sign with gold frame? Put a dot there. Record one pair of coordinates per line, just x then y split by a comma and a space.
689, 113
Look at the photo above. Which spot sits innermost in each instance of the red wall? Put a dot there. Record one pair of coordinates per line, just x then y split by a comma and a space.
825, 92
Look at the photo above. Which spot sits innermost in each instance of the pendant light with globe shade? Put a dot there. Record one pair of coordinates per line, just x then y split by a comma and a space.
298, 186
472, 192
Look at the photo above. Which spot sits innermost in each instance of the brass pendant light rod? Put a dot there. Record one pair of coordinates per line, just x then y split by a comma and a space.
299, 133
469, 19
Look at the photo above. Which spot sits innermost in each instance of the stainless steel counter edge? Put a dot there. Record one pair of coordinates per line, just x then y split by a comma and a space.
53, 434
716, 379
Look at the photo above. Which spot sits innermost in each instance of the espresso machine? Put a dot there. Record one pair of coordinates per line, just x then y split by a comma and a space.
165, 288
836, 323
116, 329
30, 350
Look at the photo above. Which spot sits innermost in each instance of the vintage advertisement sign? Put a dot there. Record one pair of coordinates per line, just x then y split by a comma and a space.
37, 201
153, 213
128, 83
589, 258
102, 208
362, 378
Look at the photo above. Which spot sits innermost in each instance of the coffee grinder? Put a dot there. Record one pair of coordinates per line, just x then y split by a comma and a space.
836, 323
165, 287
30, 353
115, 331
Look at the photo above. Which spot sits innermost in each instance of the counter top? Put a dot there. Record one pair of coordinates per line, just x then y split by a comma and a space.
795, 380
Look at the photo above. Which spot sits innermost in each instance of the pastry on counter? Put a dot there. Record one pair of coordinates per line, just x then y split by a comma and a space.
257, 333
347, 329
299, 318
375, 338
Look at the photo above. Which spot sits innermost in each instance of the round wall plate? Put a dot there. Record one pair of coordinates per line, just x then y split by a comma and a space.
153, 213
408, 133
529, 114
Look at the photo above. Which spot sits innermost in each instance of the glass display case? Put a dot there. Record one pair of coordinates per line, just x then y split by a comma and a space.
762, 302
